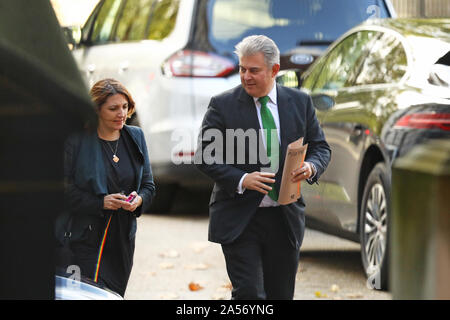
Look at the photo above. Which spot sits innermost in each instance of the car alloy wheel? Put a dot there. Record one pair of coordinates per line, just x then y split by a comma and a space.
374, 227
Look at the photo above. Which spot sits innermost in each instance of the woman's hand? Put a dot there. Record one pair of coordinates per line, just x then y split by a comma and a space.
114, 201
133, 205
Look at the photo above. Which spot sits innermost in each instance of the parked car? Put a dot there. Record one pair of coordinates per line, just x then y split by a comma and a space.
174, 55
389, 80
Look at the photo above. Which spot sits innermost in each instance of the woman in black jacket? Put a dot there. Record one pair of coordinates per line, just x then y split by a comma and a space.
108, 184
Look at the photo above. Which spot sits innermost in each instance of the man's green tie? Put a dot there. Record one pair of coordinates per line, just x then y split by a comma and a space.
269, 125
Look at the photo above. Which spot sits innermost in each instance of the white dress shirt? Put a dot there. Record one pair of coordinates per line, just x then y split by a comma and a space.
273, 107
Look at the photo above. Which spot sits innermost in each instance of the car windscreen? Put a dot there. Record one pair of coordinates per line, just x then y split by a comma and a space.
289, 23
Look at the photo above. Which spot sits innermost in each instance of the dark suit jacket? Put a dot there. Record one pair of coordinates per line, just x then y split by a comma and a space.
230, 212
86, 178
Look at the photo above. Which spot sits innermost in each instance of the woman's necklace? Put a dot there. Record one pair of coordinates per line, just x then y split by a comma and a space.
115, 158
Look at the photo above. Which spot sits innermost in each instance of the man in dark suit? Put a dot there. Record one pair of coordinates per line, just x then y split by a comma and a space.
260, 238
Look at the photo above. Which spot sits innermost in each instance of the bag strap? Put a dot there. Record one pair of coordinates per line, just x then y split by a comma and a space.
68, 224
68, 228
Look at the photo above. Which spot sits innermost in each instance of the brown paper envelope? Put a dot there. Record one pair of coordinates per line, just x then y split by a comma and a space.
295, 155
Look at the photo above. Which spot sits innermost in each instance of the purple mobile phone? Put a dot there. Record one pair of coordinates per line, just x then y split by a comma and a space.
130, 198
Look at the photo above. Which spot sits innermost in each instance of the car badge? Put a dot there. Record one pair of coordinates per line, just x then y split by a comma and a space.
301, 58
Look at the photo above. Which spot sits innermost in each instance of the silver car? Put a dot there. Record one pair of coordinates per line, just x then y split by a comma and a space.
174, 55
67, 288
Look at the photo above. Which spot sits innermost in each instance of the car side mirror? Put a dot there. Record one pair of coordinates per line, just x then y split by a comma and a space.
289, 78
72, 35
322, 102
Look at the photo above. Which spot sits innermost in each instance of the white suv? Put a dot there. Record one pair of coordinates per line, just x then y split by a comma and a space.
174, 55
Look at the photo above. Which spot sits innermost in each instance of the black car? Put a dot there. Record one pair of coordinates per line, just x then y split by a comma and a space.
389, 81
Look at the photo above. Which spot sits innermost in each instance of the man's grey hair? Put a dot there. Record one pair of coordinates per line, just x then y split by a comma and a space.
253, 44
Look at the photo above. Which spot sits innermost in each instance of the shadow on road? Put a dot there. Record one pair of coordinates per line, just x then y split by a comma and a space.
189, 203
350, 261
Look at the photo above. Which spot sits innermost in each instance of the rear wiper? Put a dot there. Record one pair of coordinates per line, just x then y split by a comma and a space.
314, 42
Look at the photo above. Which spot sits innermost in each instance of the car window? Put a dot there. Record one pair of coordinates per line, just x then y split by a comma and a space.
305, 21
105, 21
310, 79
341, 64
134, 20
163, 19
386, 62
147, 19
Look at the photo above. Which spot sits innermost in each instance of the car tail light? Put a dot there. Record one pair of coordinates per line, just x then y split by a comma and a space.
189, 63
425, 121
182, 154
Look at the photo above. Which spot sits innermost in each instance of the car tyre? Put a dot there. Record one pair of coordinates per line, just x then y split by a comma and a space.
373, 226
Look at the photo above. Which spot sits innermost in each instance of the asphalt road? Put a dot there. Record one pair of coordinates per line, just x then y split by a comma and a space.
174, 260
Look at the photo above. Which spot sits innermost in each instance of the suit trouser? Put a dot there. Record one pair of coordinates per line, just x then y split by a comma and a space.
262, 262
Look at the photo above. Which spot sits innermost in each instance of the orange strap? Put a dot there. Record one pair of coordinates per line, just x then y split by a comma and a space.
298, 184
100, 252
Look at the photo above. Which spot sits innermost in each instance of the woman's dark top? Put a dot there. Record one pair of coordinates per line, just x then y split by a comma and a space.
90, 175
117, 257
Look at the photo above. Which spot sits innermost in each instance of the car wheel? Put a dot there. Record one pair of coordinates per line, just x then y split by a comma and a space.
374, 227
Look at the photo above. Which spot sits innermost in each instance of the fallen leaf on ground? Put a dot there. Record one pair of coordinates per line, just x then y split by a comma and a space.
228, 286
356, 295
169, 254
199, 246
319, 294
166, 265
195, 286
335, 288
198, 266
223, 289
